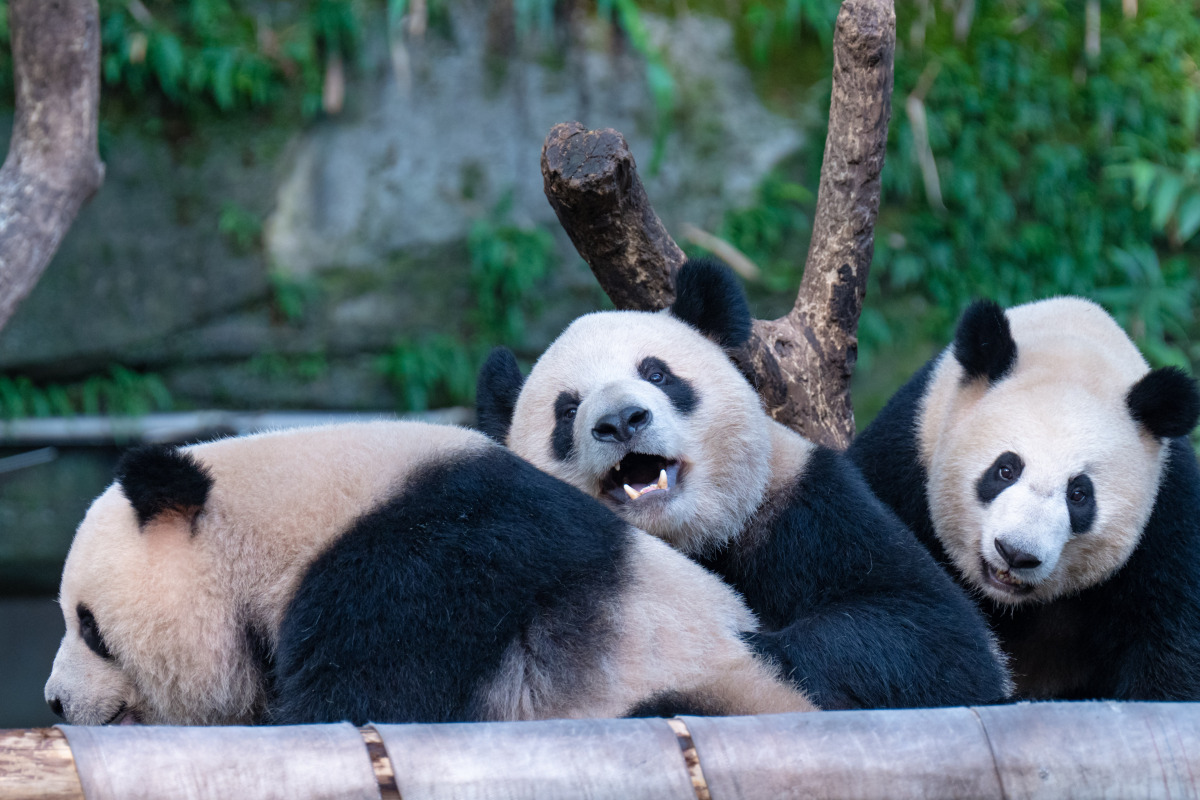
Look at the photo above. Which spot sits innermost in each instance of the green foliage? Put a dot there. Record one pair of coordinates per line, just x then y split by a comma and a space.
1037, 148
774, 231
507, 264
291, 296
241, 228
433, 370
121, 392
217, 56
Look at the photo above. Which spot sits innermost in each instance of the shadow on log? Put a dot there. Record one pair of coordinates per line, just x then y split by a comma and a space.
1027, 750
802, 362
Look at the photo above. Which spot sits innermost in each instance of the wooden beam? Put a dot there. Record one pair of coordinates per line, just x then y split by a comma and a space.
1024, 750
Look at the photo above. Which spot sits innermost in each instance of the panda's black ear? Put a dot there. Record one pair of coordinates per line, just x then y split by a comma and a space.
983, 343
496, 393
709, 297
158, 478
1165, 402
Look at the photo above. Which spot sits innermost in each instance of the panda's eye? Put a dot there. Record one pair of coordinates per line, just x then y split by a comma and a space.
656, 377
1006, 472
569, 412
89, 631
1077, 494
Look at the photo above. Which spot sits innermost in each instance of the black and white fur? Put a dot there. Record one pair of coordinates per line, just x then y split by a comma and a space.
387, 571
1043, 461
647, 412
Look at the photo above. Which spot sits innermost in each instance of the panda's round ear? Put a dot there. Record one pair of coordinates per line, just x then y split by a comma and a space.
709, 297
1165, 402
983, 343
496, 393
159, 479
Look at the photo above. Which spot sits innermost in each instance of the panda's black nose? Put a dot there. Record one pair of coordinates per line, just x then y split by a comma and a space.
621, 426
55, 706
1018, 559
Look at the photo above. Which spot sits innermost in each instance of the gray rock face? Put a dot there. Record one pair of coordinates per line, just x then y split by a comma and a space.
368, 211
441, 134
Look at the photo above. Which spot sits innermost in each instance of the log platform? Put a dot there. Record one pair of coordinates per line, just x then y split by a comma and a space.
1026, 750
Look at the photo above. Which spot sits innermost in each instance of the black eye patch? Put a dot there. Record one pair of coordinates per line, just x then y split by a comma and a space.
1081, 503
89, 631
1003, 473
678, 390
562, 440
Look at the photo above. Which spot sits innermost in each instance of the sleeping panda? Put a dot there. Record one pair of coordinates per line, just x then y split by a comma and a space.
1043, 461
647, 412
386, 571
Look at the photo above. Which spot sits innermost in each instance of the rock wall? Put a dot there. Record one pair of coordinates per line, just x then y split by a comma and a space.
365, 213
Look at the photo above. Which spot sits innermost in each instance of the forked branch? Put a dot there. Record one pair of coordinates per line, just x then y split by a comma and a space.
802, 362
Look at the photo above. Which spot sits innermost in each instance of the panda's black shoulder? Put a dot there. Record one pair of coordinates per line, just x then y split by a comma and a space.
888, 456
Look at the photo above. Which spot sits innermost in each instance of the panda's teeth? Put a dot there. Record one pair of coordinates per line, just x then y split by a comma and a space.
633, 493
617, 468
662, 479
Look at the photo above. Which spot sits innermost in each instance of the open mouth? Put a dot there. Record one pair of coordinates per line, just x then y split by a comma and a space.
1004, 580
123, 716
639, 475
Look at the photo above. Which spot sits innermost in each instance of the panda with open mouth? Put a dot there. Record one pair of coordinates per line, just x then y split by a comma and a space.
647, 412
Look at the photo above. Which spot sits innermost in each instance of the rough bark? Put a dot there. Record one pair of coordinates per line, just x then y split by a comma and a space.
592, 184
53, 165
37, 763
802, 362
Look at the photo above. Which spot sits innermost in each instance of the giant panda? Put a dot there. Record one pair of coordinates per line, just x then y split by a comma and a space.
1043, 461
383, 571
647, 412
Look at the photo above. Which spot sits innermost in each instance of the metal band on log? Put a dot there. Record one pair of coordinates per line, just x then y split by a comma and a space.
1028, 750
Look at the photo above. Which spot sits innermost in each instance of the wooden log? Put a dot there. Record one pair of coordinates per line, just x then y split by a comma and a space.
1026, 750
37, 763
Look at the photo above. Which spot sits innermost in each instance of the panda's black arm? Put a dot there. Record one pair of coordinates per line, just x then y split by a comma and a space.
854, 609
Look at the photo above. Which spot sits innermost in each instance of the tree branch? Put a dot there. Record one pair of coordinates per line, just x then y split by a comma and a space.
53, 166
592, 184
802, 362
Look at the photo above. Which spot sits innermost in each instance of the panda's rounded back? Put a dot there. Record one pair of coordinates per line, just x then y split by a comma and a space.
279, 498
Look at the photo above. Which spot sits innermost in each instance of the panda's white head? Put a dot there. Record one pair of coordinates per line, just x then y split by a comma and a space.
180, 573
645, 411
1043, 432
147, 638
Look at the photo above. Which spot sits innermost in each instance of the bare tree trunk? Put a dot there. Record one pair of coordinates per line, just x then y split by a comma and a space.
802, 362
53, 166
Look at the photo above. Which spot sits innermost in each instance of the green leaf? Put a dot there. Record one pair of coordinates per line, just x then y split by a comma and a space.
1188, 219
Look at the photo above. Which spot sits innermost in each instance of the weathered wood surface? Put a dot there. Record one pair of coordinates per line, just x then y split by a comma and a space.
802, 362
53, 165
37, 764
1041, 750
301, 762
